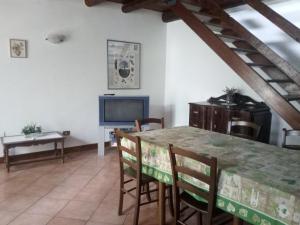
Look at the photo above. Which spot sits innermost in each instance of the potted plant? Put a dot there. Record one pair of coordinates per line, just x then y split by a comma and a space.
32, 130
230, 92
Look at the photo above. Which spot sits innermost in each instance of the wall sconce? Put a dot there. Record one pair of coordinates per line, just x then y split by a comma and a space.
55, 38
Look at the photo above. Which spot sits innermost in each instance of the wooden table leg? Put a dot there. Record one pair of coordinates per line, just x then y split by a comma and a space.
55, 148
162, 203
62, 151
237, 221
6, 158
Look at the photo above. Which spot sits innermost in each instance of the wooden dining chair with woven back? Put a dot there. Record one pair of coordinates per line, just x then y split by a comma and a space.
244, 129
183, 190
131, 168
290, 134
148, 121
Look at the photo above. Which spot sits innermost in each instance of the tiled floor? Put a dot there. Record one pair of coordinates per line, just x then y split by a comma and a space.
83, 191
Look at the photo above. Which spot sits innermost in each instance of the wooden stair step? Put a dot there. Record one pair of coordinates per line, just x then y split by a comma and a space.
280, 81
292, 97
260, 65
191, 7
214, 26
245, 50
229, 38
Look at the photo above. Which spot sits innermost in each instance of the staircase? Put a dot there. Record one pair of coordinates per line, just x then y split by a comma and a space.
274, 79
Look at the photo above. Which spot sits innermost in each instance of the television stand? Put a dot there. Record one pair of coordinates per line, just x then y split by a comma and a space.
106, 137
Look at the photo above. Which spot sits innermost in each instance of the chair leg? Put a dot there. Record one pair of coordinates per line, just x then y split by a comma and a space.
148, 192
199, 218
170, 200
157, 193
120, 211
137, 205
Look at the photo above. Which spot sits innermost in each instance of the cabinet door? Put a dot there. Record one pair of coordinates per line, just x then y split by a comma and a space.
215, 118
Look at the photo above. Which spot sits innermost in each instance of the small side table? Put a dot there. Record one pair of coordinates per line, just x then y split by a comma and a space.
9, 142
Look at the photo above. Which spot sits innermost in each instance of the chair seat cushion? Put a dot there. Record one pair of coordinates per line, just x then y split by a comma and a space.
132, 173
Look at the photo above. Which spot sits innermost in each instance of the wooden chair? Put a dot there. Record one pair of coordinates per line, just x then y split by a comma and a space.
206, 207
133, 169
289, 133
140, 123
243, 129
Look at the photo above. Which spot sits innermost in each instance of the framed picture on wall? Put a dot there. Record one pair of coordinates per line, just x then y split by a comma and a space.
123, 64
18, 48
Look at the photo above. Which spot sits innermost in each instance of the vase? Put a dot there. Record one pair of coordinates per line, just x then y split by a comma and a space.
229, 98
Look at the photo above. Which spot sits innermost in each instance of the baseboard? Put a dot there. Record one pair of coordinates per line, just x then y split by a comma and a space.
67, 150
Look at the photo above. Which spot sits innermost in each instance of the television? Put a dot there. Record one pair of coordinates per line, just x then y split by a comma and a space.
122, 110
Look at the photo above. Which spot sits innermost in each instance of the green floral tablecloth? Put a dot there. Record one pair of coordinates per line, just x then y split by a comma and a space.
259, 183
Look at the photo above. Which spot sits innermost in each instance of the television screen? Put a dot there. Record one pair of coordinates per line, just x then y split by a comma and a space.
126, 110
122, 110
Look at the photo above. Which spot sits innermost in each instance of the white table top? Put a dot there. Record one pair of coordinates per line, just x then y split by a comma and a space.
23, 138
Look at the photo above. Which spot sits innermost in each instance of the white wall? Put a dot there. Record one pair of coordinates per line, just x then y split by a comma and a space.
58, 86
195, 73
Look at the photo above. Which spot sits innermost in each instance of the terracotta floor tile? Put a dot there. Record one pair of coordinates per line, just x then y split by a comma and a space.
77, 180
51, 179
63, 192
6, 217
97, 223
30, 219
13, 186
78, 210
108, 214
37, 190
47, 206
17, 203
66, 221
90, 196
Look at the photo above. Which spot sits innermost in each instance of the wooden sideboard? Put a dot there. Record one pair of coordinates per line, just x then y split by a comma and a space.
215, 117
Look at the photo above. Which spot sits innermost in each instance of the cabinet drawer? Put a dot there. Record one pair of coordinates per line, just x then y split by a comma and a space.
194, 111
197, 116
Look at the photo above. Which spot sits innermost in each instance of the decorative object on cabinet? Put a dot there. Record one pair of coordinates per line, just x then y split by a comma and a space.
230, 92
215, 114
291, 144
123, 64
18, 48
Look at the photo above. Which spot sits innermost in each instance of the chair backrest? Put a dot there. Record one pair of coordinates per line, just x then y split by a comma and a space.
140, 123
134, 152
287, 133
211, 179
243, 129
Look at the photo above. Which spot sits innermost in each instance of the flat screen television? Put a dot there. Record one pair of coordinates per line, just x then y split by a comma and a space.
122, 110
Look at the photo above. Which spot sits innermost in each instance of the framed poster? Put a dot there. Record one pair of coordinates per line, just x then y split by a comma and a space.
123, 64
18, 48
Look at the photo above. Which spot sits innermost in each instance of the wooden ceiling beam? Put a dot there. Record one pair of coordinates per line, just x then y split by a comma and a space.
91, 3
137, 4
169, 16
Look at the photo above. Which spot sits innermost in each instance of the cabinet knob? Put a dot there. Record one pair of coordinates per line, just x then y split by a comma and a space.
215, 126
216, 112
195, 125
195, 112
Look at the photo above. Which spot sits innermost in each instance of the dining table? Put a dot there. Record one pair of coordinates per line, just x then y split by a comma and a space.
258, 183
